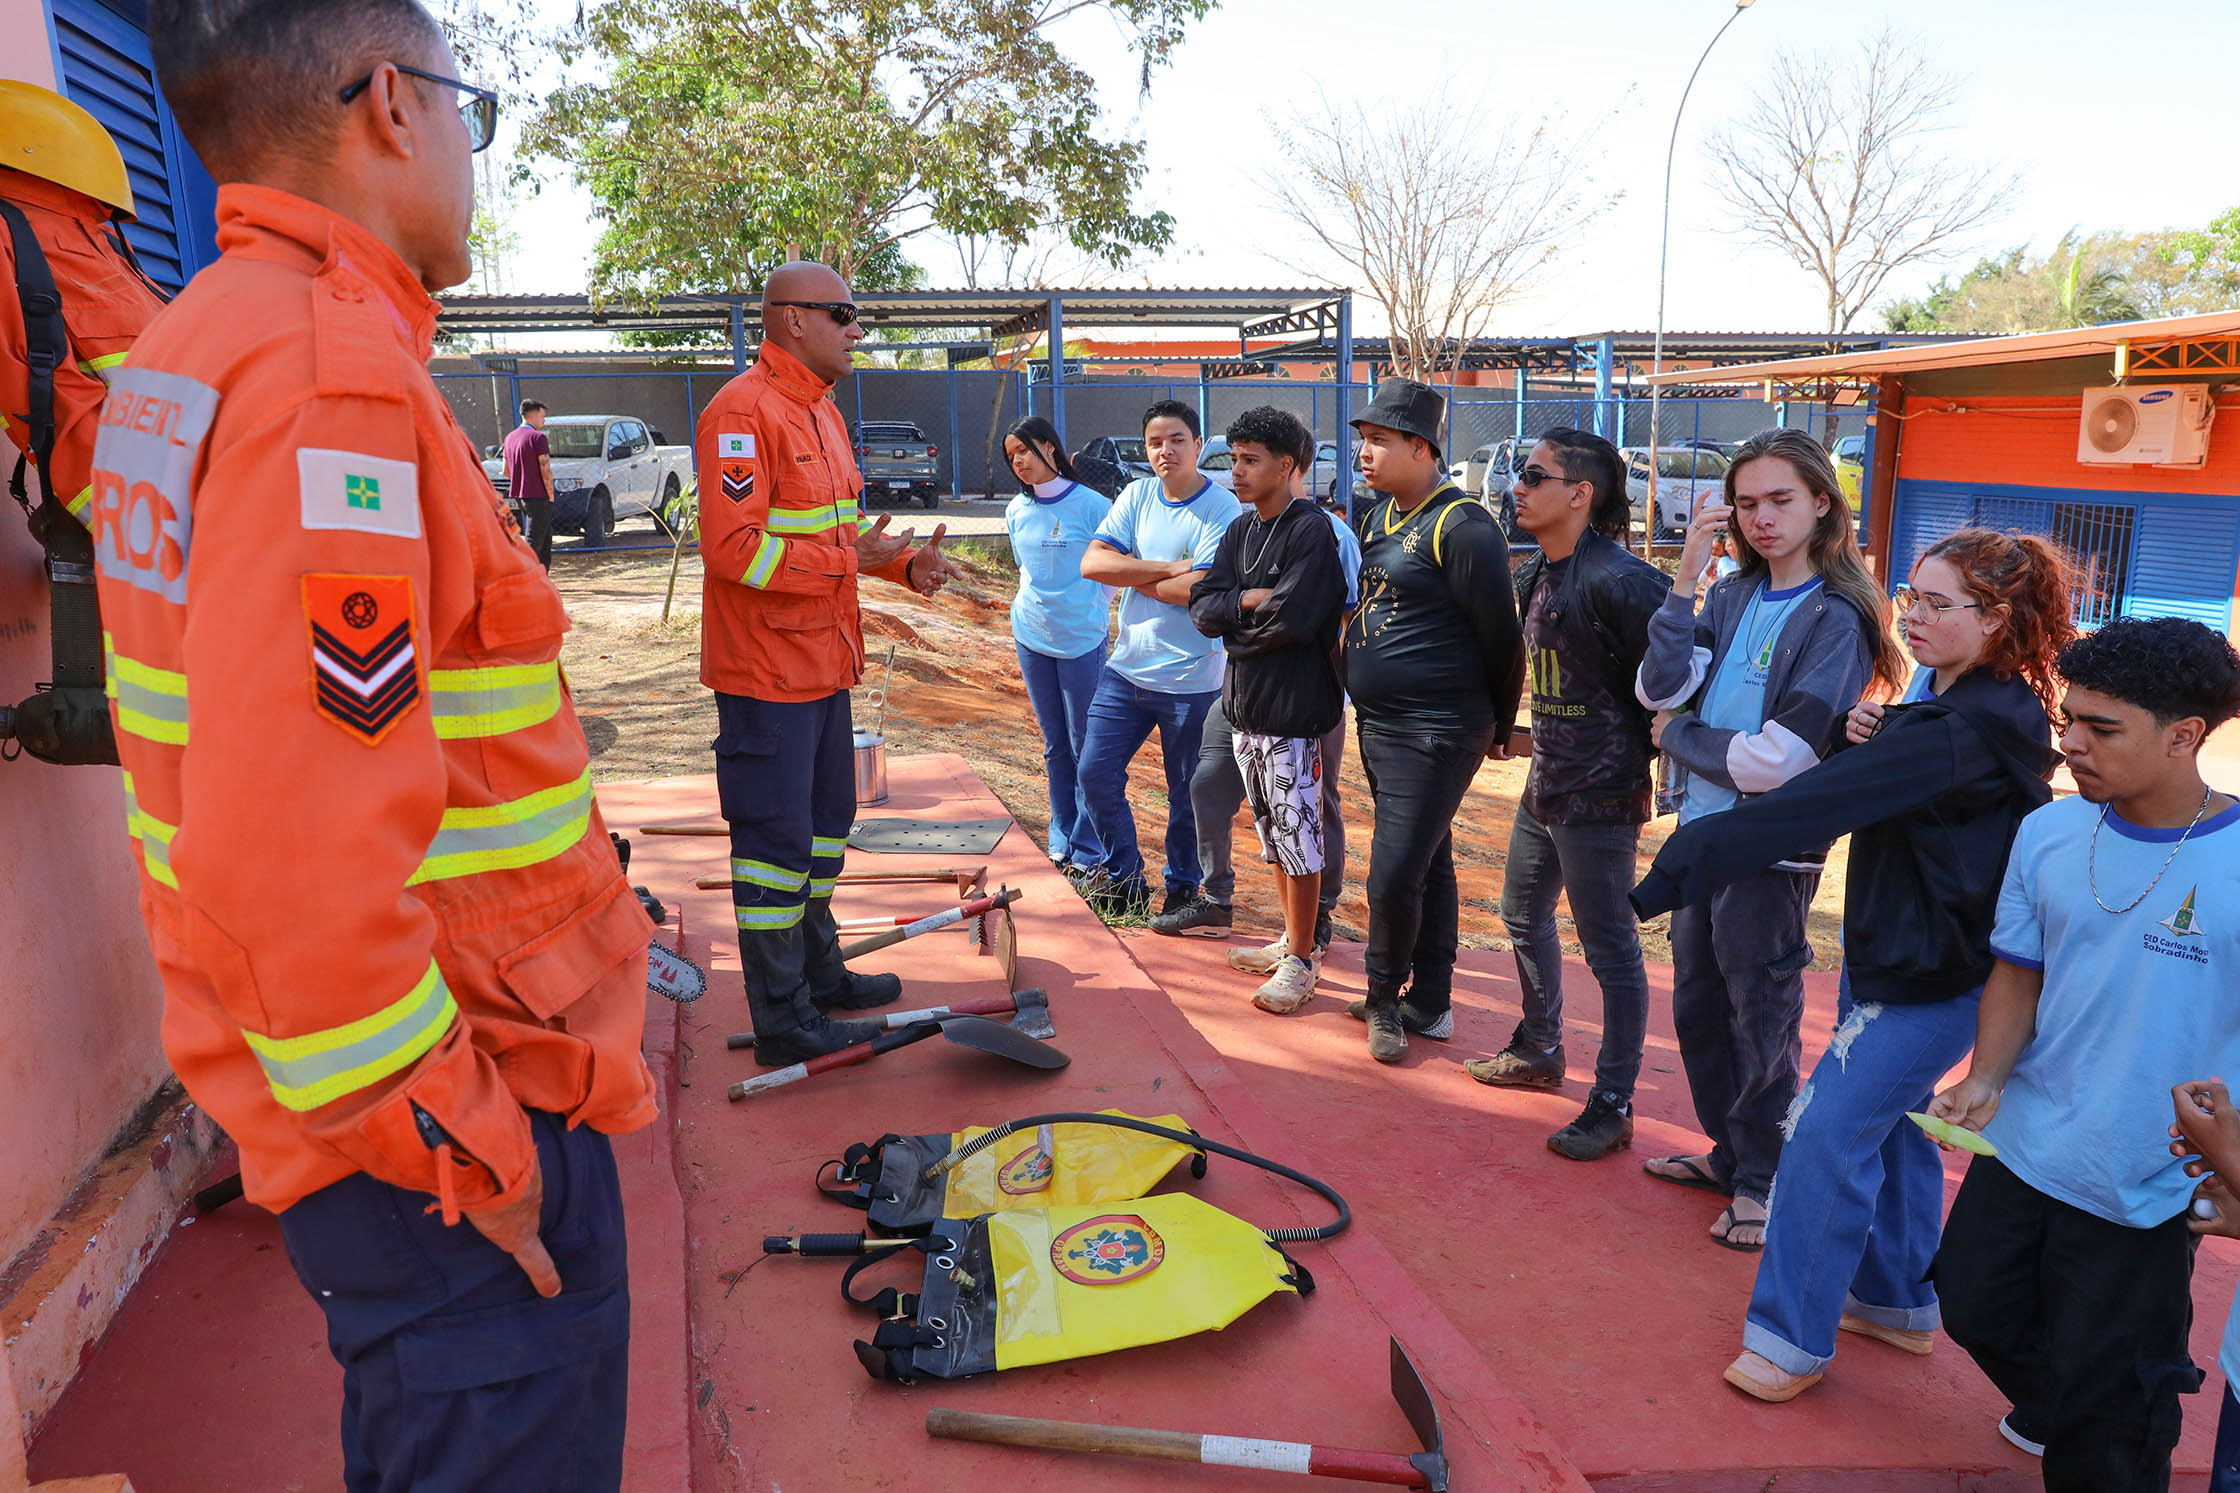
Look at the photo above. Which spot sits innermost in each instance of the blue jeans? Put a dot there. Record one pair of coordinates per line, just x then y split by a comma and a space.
1122, 716
1856, 1212
1060, 690
1597, 865
2224, 1468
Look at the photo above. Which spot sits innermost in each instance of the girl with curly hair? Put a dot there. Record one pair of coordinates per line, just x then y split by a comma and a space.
1931, 790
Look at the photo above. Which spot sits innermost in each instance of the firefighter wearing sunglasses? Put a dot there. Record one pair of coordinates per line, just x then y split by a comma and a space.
781, 644
401, 965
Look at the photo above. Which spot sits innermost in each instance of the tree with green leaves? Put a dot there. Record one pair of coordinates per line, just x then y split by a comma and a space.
721, 134
2085, 280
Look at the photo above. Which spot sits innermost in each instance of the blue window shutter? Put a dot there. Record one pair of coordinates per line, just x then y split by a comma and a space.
2184, 560
2014, 515
1923, 514
107, 70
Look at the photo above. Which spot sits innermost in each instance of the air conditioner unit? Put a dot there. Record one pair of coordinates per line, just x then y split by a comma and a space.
2164, 425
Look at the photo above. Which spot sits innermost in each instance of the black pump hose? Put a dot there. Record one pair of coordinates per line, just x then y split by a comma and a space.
1196, 1142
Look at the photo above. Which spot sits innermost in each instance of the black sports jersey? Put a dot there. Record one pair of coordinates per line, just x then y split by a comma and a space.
1434, 644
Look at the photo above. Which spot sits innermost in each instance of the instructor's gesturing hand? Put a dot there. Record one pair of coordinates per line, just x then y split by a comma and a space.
930, 569
876, 547
513, 1228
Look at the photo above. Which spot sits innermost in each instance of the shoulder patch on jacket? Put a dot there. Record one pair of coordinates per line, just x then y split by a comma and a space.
365, 670
351, 490
735, 463
144, 455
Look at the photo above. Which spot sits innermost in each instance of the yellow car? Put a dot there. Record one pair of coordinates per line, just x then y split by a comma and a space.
1850, 455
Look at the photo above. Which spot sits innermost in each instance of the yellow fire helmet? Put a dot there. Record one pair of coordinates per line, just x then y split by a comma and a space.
43, 134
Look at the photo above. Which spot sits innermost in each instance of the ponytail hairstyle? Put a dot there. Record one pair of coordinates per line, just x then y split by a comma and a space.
1834, 545
2027, 577
1041, 437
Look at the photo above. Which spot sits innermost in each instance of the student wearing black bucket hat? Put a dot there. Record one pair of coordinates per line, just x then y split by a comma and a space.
1435, 664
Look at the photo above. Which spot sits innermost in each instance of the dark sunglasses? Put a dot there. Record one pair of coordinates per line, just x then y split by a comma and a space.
843, 313
1534, 476
480, 111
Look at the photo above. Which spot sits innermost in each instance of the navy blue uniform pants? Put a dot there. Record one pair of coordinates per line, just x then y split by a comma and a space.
786, 778
456, 1376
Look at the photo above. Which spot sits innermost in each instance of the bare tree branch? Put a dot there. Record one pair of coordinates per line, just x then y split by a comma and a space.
1443, 225
1836, 168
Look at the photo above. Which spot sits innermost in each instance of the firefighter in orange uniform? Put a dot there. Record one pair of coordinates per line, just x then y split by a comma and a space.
780, 644
62, 189
401, 965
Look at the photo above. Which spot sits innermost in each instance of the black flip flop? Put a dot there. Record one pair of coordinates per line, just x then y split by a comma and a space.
1702, 1181
1733, 1222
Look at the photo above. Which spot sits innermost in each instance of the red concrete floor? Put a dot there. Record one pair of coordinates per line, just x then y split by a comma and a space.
1572, 1320
1591, 1289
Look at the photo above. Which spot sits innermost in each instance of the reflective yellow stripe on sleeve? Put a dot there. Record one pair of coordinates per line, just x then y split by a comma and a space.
502, 837
765, 562
493, 701
151, 703
320, 1067
153, 837
799, 521
99, 367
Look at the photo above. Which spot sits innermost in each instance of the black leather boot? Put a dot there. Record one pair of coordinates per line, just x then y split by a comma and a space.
788, 1027
832, 985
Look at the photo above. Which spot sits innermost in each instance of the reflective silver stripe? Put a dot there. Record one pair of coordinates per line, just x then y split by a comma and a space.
493, 701
153, 837
151, 702
508, 835
768, 919
802, 520
320, 1067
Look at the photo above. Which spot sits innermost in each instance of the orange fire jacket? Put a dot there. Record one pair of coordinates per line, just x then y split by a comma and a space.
778, 523
105, 306
385, 909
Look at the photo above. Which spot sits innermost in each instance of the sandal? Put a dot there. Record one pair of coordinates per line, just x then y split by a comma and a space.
1722, 1230
1686, 1171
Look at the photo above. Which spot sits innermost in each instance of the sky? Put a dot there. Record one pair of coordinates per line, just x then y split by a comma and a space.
2112, 123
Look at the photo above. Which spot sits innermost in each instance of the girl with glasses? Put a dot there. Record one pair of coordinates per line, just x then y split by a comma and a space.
1931, 790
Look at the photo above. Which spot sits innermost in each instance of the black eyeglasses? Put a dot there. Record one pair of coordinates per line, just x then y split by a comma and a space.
1534, 476
842, 312
480, 111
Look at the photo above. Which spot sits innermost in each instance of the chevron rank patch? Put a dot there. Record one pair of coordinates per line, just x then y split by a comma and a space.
735, 460
365, 669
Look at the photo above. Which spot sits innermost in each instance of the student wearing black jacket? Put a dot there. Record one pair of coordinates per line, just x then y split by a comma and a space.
1931, 790
1586, 602
1273, 595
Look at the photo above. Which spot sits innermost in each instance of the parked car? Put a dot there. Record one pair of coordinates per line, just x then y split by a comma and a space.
1850, 453
1123, 451
606, 468
1684, 474
898, 461
1215, 461
1494, 471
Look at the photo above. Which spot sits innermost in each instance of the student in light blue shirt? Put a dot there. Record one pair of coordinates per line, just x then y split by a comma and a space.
1060, 621
2067, 1262
1163, 673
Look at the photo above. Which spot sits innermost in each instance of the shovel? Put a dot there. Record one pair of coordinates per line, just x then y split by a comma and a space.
1424, 1469
1028, 1009
966, 1031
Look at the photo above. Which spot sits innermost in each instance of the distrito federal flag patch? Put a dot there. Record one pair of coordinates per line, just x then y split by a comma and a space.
350, 490
365, 669
735, 464
741, 444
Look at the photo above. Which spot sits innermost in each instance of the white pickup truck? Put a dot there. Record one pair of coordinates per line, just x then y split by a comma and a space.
606, 468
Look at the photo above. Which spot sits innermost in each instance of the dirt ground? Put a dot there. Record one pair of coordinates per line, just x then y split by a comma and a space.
957, 688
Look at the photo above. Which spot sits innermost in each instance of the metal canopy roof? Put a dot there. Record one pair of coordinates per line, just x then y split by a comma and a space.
1972, 353
1005, 313
1566, 354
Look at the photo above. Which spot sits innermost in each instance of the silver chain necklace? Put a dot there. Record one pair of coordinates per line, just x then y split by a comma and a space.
1257, 521
2093, 850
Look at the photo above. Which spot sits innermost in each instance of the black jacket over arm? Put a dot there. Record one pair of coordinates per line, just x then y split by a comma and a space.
1282, 678
1476, 560
1932, 802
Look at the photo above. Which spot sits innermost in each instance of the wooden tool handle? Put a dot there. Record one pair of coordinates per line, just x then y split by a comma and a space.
1062, 1435
684, 829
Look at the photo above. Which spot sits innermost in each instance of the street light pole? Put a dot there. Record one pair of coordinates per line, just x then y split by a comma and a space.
1664, 250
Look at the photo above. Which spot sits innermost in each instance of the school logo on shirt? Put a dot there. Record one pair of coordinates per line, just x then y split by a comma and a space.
2181, 923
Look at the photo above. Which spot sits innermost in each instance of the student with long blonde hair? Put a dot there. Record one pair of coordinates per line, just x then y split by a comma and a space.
1749, 692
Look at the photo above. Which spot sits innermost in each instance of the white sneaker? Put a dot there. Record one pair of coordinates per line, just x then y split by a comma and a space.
1289, 988
1260, 961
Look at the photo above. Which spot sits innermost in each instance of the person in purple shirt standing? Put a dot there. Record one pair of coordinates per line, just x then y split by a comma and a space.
528, 460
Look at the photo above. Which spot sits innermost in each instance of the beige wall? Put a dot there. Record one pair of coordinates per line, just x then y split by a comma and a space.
79, 1001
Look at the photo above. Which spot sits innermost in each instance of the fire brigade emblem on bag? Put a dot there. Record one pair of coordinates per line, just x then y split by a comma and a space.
1029, 1171
1107, 1250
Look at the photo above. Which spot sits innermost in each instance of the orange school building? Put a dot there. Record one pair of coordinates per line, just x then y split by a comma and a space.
1994, 432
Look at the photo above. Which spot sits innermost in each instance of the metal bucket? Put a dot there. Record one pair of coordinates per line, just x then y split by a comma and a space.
871, 769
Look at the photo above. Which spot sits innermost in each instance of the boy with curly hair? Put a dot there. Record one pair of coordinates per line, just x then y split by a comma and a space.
2067, 1263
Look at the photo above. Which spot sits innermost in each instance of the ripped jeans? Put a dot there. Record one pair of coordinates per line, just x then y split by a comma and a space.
1855, 1210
